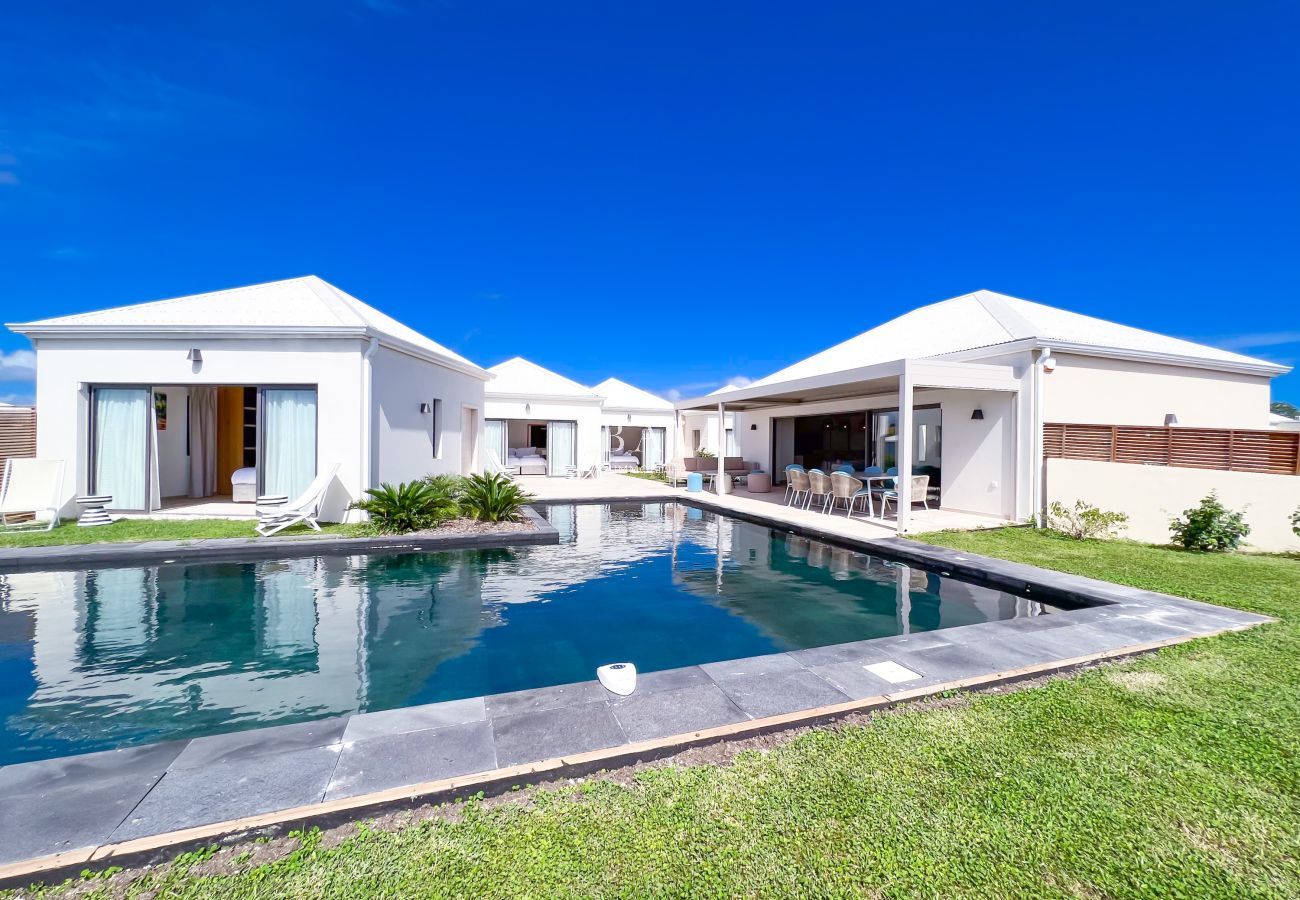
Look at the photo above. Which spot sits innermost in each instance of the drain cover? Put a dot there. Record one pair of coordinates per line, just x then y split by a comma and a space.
892, 672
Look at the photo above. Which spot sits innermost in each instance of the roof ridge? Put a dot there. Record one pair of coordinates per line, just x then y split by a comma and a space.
1015, 325
333, 298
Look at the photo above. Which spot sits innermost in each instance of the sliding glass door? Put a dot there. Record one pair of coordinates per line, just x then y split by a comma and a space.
562, 447
120, 446
287, 440
494, 432
654, 448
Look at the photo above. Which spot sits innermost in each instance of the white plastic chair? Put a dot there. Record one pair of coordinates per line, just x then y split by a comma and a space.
31, 487
273, 517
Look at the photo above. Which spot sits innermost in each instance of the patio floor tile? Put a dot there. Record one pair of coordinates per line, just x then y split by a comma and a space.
412, 757
774, 693
537, 699
663, 713
244, 745
364, 726
549, 733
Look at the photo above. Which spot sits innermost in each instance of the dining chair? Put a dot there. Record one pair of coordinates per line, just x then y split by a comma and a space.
844, 487
819, 486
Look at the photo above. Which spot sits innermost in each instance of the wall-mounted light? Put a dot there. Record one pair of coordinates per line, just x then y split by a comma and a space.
1049, 363
753, 426
528, 408
195, 355
1170, 420
978, 415
425, 409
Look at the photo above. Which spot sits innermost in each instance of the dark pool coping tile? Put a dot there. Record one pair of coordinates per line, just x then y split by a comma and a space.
752, 665
555, 732
412, 757
145, 763
537, 699
852, 679
666, 680
233, 789
777, 693
389, 722
659, 714
238, 746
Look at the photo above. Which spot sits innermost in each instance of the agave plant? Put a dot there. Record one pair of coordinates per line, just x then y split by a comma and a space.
493, 498
407, 507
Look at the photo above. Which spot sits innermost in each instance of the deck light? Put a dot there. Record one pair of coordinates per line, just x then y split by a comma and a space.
978, 415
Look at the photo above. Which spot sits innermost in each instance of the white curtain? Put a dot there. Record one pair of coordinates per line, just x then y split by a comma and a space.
654, 447
733, 449
121, 446
604, 443
203, 441
288, 439
495, 433
561, 446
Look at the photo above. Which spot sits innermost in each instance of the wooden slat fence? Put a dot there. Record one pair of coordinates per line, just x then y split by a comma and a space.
17, 433
1224, 449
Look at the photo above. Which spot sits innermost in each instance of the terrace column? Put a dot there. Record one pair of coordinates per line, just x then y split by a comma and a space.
720, 480
904, 446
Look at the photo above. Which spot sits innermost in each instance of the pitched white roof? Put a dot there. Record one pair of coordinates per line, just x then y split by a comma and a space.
1277, 419
307, 305
520, 378
621, 395
986, 319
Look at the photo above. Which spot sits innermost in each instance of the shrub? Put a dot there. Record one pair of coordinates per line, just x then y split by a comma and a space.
403, 508
705, 454
1295, 522
493, 498
1210, 527
1085, 520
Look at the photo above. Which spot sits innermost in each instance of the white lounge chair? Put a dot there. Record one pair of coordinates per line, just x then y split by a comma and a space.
31, 487
275, 514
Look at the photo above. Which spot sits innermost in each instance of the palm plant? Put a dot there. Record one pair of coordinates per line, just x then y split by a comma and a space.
493, 498
407, 507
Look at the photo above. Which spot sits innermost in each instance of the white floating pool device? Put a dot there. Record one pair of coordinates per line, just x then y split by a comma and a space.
618, 678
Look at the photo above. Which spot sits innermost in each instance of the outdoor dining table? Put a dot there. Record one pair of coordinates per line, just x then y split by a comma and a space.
866, 480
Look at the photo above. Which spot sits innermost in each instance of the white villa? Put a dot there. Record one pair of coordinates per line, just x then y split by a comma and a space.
201, 401
996, 405
966, 391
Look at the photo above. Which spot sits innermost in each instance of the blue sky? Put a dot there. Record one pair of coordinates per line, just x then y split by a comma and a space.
544, 179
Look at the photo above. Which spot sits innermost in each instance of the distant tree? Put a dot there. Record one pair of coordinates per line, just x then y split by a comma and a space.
1282, 408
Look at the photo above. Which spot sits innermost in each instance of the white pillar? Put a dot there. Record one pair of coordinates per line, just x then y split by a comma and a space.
904, 449
720, 480
903, 597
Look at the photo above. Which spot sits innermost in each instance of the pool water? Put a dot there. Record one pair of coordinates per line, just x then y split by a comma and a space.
92, 660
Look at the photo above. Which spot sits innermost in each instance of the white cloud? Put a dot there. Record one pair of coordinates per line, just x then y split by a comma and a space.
700, 388
739, 381
17, 399
1257, 340
19, 365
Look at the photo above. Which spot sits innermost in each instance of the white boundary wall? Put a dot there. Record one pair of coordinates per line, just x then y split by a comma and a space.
1153, 495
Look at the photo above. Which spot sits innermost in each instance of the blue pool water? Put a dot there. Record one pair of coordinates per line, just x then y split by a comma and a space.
91, 660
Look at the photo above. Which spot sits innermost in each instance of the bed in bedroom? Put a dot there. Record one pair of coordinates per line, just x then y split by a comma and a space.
529, 460
621, 461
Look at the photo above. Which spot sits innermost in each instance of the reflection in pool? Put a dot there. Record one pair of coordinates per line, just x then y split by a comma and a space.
92, 660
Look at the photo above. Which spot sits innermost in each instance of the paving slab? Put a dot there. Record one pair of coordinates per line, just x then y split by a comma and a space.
647, 716
667, 680
233, 789
412, 757
752, 665
853, 680
555, 732
388, 722
775, 693
538, 699
239, 746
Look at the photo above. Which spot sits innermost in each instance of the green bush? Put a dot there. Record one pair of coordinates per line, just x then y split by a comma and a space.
407, 507
705, 454
1085, 520
493, 498
1210, 527
1295, 522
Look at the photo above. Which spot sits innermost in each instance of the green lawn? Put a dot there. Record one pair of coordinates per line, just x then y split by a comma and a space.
149, 530
1171, 775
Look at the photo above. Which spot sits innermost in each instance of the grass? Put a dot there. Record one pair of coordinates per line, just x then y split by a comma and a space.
151, 530
1174, 774
649, 476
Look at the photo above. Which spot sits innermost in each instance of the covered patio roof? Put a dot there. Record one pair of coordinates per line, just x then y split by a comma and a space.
865, 381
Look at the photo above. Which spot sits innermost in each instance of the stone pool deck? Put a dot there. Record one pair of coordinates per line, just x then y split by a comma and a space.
141, 803
132, 553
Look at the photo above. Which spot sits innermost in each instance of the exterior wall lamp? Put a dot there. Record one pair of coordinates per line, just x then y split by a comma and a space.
977, 415
425, 409
195, 355
1170, 420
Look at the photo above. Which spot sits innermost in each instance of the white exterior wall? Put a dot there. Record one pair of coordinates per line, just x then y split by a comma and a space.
981, 466
707, 424
587, 415
66, 366
404, 437
1089, 389
1154, 495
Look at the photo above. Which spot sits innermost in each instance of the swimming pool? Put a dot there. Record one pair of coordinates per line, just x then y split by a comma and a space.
92, 660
